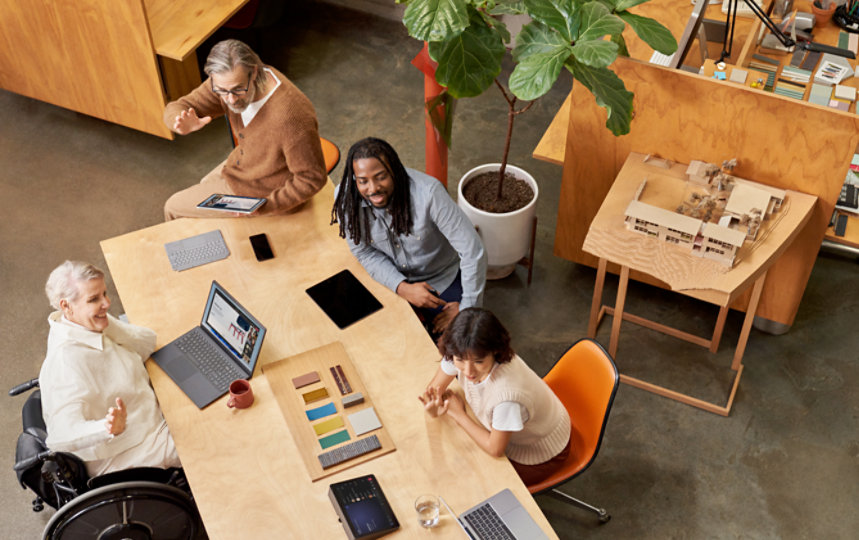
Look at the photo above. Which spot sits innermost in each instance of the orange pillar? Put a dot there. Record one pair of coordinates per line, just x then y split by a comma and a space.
435, 150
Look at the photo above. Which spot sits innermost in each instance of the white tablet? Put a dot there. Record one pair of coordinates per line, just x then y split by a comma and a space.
232, 203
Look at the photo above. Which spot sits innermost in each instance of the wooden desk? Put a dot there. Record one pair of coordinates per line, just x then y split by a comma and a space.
243, 466
778, 141
118, 60
699, 278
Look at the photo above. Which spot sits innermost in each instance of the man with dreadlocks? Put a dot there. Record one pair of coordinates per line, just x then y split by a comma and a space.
408, 234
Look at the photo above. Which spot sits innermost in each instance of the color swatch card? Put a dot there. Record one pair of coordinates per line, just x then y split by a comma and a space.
315, 395
337, 438
329, 425
321, 412
364, 421
307, 378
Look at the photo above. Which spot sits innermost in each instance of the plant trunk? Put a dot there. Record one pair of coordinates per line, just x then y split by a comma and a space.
511, 113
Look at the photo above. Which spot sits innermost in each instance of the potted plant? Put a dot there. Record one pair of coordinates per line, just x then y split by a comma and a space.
468, 40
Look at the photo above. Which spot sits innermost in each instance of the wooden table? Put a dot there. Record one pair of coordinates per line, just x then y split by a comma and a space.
244, 466
699, 278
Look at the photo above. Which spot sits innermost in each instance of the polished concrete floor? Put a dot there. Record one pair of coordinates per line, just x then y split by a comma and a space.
784, 464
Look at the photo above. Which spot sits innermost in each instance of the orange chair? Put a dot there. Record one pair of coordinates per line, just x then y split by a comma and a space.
585, 379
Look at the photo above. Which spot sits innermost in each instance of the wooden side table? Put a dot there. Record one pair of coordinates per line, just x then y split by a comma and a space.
696, 277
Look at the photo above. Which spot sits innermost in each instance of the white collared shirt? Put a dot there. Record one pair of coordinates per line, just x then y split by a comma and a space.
253, 108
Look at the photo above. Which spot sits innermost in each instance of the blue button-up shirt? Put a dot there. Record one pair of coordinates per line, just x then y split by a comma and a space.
442, 243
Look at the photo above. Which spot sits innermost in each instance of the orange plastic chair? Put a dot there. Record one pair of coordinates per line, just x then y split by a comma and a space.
585, 379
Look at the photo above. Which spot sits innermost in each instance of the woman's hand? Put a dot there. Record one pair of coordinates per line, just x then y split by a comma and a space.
454, 404
115, 419
435, 402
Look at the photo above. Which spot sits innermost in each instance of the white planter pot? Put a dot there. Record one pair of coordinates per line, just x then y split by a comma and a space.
506, 237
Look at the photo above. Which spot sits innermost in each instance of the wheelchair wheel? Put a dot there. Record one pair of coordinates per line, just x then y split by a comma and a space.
128, 510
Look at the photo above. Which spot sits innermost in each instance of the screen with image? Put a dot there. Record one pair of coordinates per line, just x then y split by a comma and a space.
234, 330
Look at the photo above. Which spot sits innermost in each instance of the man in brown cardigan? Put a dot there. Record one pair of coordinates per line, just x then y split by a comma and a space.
277, 153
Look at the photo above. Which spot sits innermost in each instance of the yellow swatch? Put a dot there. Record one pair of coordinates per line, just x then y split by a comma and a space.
329, 425
315, 395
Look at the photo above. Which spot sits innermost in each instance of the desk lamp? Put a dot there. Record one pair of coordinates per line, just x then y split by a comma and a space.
785, 40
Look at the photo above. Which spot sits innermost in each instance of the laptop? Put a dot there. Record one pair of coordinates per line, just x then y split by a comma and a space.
224, 347
501, 516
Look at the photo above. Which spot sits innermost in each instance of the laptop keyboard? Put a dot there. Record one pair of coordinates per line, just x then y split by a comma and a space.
209, 359
488, 524
197, 250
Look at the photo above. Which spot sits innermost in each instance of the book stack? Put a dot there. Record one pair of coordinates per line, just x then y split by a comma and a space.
842, 97
792, 81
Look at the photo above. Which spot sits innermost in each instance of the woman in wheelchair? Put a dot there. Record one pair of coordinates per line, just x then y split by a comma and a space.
97, 402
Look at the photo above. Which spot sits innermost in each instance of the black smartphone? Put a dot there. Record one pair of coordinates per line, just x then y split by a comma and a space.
262, 249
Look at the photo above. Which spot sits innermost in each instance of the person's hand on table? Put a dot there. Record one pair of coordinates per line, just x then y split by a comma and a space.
419, 294
455, 404
443, 319
115, 418
435, 402
187, 121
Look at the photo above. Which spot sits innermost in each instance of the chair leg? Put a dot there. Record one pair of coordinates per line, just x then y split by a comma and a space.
600, 512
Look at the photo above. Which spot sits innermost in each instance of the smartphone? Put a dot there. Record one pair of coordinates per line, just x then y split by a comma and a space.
262, 249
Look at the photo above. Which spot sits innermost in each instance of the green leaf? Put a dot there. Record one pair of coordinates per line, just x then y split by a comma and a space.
595, 53
435, 20
537, 38
621, 45
623, 5
562, 15
610, 93
508, 7
654, 34
597, 21
469, 62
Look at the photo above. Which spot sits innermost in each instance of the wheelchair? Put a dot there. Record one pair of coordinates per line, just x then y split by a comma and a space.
136, 504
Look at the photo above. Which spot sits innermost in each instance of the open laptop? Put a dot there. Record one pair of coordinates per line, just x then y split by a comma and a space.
501, 516
225, 347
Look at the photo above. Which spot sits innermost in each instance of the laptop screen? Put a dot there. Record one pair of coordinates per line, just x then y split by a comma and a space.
237, 330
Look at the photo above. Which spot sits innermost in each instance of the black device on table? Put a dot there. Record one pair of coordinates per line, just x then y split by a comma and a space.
344, 299
362, 508
262, 249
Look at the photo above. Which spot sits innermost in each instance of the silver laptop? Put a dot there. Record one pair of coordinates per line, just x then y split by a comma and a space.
225, 347
501, 516
196, 250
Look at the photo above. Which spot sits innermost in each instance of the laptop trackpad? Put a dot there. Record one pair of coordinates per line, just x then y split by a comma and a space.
173, 361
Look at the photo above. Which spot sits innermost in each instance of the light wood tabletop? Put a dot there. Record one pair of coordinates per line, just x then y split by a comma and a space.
244, 466
179, 27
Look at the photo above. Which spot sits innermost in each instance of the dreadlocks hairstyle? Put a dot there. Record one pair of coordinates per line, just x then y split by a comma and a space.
347, 206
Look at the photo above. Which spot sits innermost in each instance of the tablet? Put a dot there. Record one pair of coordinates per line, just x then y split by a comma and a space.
232, 203
344, 299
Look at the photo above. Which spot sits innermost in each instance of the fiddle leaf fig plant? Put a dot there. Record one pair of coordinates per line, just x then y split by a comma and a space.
468, 40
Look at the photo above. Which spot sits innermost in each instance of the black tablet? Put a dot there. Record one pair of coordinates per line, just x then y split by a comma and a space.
344, 299
362, 508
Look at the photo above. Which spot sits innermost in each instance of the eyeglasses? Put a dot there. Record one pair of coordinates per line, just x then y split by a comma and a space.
236, 92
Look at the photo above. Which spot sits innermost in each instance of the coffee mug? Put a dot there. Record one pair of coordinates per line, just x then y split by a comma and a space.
241, 394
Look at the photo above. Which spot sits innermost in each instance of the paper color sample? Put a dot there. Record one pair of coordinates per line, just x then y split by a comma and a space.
321, 412
337, 438
364, 420
315, 395
307, 378
329, 425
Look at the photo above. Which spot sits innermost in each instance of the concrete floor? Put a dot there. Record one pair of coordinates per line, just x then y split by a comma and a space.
785, 464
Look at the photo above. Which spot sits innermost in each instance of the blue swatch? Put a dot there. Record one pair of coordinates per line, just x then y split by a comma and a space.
321, 412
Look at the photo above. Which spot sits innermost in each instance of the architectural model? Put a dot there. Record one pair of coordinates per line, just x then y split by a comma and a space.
720, 212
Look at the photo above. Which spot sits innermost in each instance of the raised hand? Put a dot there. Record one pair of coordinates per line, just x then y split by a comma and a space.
187, 121
115, 419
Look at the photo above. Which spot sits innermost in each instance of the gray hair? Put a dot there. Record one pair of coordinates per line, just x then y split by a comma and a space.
227, 54
63, 282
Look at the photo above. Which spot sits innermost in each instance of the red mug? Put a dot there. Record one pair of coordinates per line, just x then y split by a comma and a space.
241, 394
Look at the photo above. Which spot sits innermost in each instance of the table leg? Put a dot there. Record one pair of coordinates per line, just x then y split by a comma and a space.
597, 300
720, 326
747, 322
618, 310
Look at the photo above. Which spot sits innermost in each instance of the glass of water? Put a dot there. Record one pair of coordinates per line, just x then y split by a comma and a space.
427, 508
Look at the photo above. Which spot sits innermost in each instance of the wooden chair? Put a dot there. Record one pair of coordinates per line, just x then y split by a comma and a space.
585, 379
